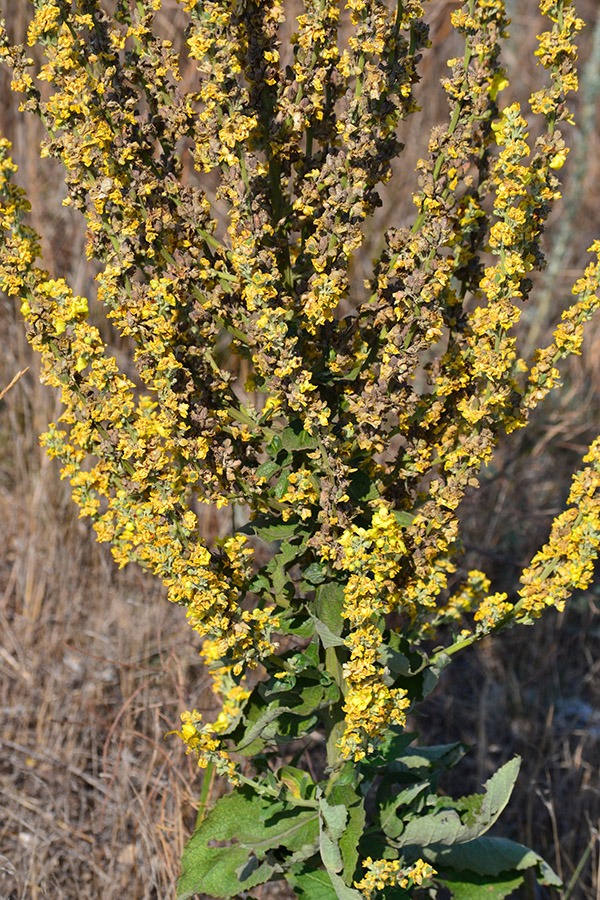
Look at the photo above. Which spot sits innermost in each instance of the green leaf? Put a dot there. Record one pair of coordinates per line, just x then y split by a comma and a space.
315, 573
489, 856
432, 673
275, 531
334, 817
346, 794
298, 781
395, 742
467, 886
361, 487
403, 518
287, 554
267, 703
390, 822
330, 853
312, 884
260, 584
342, 891
304, 699
276, 567
228, 852
479, 812
294, 728
300, 624
294, 437
282, 483
272, 528
427, 759
326, 636
329, 603
332, 820
267, 469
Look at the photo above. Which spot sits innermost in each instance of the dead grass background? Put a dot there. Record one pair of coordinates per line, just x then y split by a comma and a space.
95, 666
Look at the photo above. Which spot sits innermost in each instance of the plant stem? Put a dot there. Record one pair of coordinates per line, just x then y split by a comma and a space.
207, 783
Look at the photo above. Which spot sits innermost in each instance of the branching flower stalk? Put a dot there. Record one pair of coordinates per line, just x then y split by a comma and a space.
345, 451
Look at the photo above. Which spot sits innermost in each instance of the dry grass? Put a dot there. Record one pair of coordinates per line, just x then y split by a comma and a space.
95, 666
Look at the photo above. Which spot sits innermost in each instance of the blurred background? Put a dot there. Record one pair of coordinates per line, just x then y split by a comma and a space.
95, 665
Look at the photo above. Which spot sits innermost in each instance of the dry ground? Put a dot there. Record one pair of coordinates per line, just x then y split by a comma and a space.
95, 802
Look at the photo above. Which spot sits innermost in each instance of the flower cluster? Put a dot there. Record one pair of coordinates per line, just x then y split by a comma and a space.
567, 560
201, 740
374, 558
385, 872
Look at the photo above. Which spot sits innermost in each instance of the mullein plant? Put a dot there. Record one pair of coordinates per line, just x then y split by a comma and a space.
341, 443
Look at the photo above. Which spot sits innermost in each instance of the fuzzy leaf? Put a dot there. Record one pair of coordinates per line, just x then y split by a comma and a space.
266, 706
466, 886
333, 820
314, 573
489, 856
267, 469
312, 884
296, 438
276, 531
361, 487
278, 565
342, 891
479, 812
422, 761
390, 822
326, 636
329, 603
403, 518
227, 853
346, 795
392, 748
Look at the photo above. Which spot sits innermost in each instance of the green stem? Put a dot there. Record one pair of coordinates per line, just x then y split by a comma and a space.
207, 783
